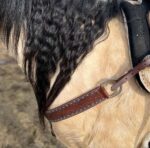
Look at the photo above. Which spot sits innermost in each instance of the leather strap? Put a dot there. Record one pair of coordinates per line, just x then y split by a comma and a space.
78, 105
138, 32
131, 73
92, 97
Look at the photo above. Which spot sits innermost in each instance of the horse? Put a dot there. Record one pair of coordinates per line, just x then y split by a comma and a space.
67, 48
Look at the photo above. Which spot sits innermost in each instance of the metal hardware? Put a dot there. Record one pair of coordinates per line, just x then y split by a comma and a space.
111, 82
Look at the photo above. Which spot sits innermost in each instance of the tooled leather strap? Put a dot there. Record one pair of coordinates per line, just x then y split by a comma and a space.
92, 97
78, 105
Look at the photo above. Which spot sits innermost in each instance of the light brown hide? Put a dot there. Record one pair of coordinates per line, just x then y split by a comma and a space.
120, 122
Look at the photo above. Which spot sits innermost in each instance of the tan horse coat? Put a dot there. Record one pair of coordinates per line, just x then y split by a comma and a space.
120, 122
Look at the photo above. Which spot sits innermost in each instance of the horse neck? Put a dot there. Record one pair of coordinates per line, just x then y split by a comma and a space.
108, 59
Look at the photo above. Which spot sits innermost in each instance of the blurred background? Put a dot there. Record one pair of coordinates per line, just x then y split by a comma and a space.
19, 123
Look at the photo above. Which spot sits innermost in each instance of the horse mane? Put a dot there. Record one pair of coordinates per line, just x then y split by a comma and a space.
59, 34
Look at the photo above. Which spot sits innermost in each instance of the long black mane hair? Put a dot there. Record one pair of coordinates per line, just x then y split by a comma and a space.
58, 35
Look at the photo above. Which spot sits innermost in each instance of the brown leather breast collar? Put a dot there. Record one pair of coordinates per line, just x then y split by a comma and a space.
94, 96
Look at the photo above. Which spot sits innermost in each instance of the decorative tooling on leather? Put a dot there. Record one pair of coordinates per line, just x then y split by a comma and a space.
77, 105
139, 34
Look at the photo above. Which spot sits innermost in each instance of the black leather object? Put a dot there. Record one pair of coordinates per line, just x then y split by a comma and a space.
139, 31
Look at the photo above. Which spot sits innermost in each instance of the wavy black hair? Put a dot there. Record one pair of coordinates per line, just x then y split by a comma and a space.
58, 35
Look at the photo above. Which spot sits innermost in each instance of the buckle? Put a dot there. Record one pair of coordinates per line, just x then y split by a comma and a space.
107, 85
